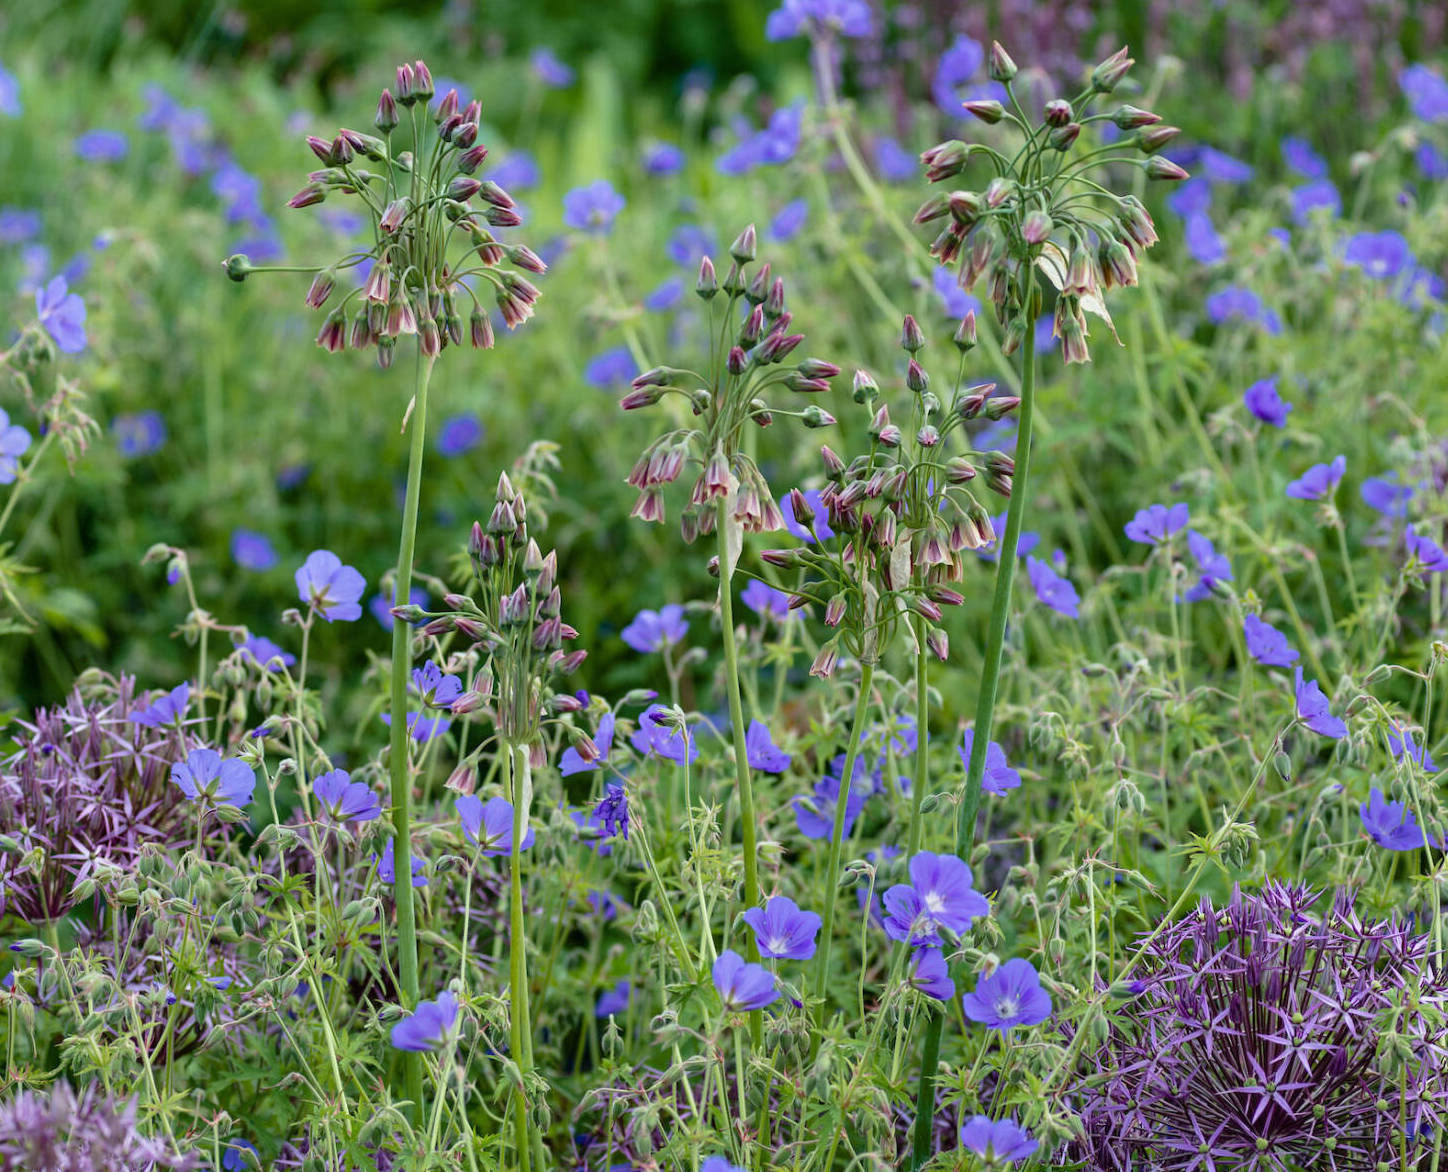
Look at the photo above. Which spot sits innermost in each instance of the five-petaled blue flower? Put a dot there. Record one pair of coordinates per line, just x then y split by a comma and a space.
763, 754
653, 630
1010, 996
1319, 482
939, 895
387, 867
330, 588
613, 1001
252, 551
816, 18
1391, 824
436, 689
657, 735
997, 1140
1402, 744
1052, 589
999, 776
427, 1026
1262, 399
204, 775
345, 800
1157, 523
1313, 710
815, 815
592, 208
14, 440
930, 974
166, 709
1214, 567
764, 599
62, 314
782, 930
1266, 643
743, 986
489, 825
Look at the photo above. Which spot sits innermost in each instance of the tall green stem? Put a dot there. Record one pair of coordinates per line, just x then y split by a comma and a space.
401, 773
741, 751
986, 700
922, 725
519, 1026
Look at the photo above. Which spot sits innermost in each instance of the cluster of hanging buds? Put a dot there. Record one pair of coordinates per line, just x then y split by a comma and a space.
1042, 208
431, 218
730, 398
904, 511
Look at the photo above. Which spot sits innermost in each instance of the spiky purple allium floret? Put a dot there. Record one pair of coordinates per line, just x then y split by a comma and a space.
85, 787
60, 1130
1271, 1034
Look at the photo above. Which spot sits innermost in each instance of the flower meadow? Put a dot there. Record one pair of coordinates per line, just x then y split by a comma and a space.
881, 612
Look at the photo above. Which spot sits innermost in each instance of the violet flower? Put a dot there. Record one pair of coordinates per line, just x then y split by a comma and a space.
427, 1026
329, 588
1263, 401
999, 776
1266, 644
1313, 710
741, 986
489, 825
782, 930
653, 630
1157, 523
205, 776
345, 800
169, 708
763, 754
1319, 482
1010, 996
1392, 825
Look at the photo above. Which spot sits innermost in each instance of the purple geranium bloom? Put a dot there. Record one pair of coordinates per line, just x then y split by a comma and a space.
489, 825
1426, 552
139, 434
1214, 567
437, 689
611, 368
420, 726
782, 930
205, 775
689, 244
742, 986
1220, 167
1192, 198
1432, 162
1313, 710
14, 440
610, 816
894, 162
18, 225
954, 300
815, 816
717, 1164
572, 761
1320, 194
1402, 744
1052, 589
459, 434
10, 104
516, 172
654, 735
548, 69
1236, 302
1319, 482
662, 158
763, 754
665, 296
789, 220
346, 800
764, 599
1385, 495
266, 653
1266, 643
1300, 157
813, 18
102, 146
381, 606
252, 551
821, 523
1157, 523
1391, 824
1426, 91
1202, 240
997, 1140
1010, 996
427, 1026
387, 867
999, 776
614, 1001
592, 208
1379, 254
930, 974
939, 895
330, 588
1262, 399
166, 709
1026, 543
234, 1157
776, 143
62, 314
653, 630
957, 77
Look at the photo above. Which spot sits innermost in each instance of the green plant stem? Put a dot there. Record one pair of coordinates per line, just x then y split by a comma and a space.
985, 702
837, 837
519, 1026
742, 779
401, 774
922, 723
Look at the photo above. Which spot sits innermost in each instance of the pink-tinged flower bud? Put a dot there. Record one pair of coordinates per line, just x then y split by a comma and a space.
1104, 77
333, 335
644, 397
715, 478
502, 217
406, 84
464, 187
495, 195
864, 389
753, 328
779, 346
959, 470
387, 119
932, 209
890, 436
800, 507
473, 112
925, 607
737, 362
386, 352
1072, 331
774, 303
430, 338
916, 378
400, 318
1158, 167
945, 160
1058, 112
1136, 222
818, 368
1036, 229
480, 330
1132, 117
1118, 267
707, 284
526, 259
1153, 138
308, 195
939, 643
928, 436
835, 610
745, 245
361, 332
393, 216
423, 86
489, 251
1064, 137
965, 207
999, 483
988, 110
733, 280
825, 661
834, 466
472, 158
1001, 67
797, 382
322, 285
447, 107
964, 336
1001, 406
466, 135
571, 662
758, 289
760, 413
342, 152
321, 148
912, 337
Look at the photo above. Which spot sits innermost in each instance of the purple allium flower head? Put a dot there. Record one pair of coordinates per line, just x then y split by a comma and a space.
782, 930
571, 761
387, 866
18, 225
1010, 996
1426, 552
999, 776
1301, 158
427, 1026
1379, 254
10, 104
345, 800
139, 434
1426, 91
90, 1132
14, 440
821, 521
662, 158
489, 825
742, 986
459, 434
1391, 824
610, 815
789, 220
1313, 710
437, 689
1267, 1023
1158, 523
1238, 303
62, 314
548, 69
653, 630
1052, 589
1202, 240
665, 296
613, 367
330, 588
930, 974
997, 1141
266, 653
102, 146
1266, 644
592, 208
1262, 399
814, 18
1385, 495
1319, 195
815, 816
940, 895
168, 708
1402, 744
764, 755
764, 599
1214, 567
614, 1001
381, 606
655, 735
1319, 482
420, 726
252, 551
204, 775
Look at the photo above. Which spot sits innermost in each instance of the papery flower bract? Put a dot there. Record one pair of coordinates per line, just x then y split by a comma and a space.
654, 735
345, 800
1266, 644
764, 755
742, 986
387, 866
997, 1140
999, 776
1263, 401
265, 653
571, 761
169, 708
930, 974
205, 775
1319, 482
1010, 996
1391, 824
330, 588
653, 630
252, 551
614, 1001
592, 208
62, 315
1052, 589
489, 825
782, 930
1157, 523
1313, 710
427, 1026
1401, 743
